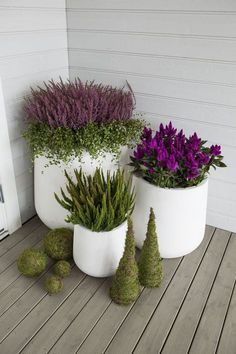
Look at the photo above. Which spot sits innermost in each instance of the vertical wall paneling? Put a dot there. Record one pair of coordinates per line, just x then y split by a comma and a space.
180, 58
33, 37
10, 211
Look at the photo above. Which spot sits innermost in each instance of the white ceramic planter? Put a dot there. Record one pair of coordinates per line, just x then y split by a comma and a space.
180, 216
98, 253
51, 178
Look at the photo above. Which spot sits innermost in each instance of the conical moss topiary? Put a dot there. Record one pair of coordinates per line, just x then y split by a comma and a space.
62, 269
125, 285
58, 244
150, 267
32, 262
54, 284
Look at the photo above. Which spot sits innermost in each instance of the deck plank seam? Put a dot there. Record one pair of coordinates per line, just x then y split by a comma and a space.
210, 239
182, 303
208, 296
33, 307
33, 245
90, 298
20, 275
33, 284
167, 285
226, 314
104, 312
15, 244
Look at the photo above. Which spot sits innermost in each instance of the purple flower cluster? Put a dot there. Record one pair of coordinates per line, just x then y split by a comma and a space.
168, 159
74, 104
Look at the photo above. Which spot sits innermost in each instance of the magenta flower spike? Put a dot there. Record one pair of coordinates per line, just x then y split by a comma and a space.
169, 159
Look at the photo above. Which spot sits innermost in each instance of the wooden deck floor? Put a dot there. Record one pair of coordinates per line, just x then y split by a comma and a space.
194, 311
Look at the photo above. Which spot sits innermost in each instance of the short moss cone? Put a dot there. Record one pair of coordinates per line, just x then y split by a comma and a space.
62, 269
54, 284
150, 267
58, 244
125, 285
32, 262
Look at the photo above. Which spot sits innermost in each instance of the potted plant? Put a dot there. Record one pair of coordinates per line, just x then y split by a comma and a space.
74, 124
98, 206
170, 175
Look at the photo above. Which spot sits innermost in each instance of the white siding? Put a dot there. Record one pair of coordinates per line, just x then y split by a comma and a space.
180, 59
33, 41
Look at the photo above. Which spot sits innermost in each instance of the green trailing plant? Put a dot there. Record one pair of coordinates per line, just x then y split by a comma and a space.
125, 284
150, 267
98, 202
32, 262
63, 144
54, 284
62, 269
58, 244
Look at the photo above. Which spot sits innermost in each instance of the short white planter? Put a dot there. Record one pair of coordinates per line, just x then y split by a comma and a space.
98, 253
48, 179
180, 216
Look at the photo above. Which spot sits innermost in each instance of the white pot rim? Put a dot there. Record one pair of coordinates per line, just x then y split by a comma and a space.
180, 189
95, 233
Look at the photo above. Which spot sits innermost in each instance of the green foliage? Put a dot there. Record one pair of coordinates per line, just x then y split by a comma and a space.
54, 284
63, 144
125, 285
96, 202
62, 269
32, 262
58, 244
150, 268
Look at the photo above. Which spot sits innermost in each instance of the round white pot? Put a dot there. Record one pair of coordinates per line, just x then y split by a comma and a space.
180, 216
48, 179
98, 253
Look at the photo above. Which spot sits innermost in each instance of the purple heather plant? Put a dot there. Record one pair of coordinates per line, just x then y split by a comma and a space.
169, 159
75, 104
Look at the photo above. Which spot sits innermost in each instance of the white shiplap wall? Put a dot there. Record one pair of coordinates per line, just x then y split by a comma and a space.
180, 59
33, 43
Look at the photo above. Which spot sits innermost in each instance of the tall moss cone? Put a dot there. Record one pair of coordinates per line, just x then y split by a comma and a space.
150, 267
125, 285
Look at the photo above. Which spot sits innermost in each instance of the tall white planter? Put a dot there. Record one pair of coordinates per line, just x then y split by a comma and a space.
98, 253
180, 216
48, 179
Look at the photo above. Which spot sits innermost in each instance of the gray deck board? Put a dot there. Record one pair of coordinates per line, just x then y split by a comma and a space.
7, 243
149, 300
227, 344
194, 310
206, 341
196, 298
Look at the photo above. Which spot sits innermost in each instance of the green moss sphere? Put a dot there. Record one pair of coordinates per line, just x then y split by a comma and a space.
32, 262
62, 269
58, 244
54, 284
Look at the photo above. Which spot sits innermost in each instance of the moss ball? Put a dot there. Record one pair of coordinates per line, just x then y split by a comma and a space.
32, 262
54, 284
58, 244
62, 269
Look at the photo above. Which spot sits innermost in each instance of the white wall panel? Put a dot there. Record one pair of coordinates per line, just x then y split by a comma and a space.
155, 66
180, 59
165, 5
149, 21
33, 43
174, 46
53, 4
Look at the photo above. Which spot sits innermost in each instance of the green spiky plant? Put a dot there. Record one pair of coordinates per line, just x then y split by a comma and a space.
150, 267
98, 202
125, 285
